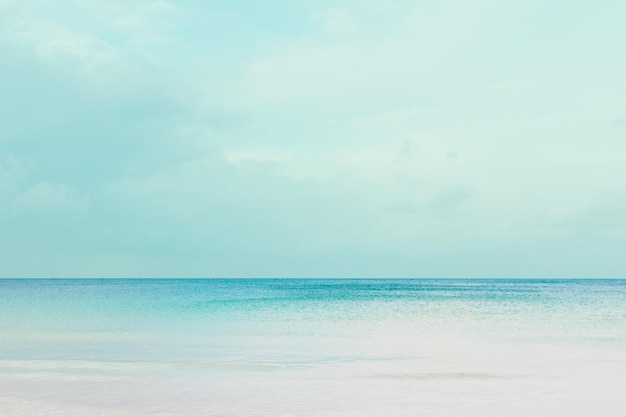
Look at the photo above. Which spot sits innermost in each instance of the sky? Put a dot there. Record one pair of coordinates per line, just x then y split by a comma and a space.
312, 138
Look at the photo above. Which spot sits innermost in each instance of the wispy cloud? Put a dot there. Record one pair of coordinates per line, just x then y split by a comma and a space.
391, 138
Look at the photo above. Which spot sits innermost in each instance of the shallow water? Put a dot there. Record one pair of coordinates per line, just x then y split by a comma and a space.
312, 347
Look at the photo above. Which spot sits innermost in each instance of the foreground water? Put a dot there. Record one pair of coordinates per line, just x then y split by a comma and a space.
312, 348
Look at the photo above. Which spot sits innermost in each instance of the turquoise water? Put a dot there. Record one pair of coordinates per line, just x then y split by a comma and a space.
312, 347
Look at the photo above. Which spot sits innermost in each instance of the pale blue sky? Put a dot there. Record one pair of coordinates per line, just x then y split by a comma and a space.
304, 138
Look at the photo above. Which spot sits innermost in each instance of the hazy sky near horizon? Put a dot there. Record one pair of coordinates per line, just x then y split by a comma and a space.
385, 138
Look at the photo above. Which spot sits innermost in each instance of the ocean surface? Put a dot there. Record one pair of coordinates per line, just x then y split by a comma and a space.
312, 348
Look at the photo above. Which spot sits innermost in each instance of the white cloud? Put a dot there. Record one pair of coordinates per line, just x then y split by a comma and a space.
336, 21
13, 172
57, 41
45, 196
19, 189
240, 156
410, 61
379, 124
140, 21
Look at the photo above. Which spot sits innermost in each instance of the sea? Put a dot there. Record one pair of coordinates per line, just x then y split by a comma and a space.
312, 347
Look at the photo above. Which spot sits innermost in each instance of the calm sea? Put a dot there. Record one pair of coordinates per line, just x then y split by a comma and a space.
312, 348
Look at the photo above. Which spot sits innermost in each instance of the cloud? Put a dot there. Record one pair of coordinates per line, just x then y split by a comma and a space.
239, 157
450, 198
620, 121
44, 196
336, 21
52, 40
21, 191
301, 138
